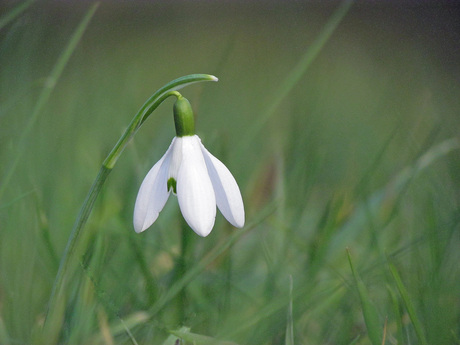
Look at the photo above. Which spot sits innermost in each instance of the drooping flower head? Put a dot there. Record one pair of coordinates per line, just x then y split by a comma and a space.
199, 180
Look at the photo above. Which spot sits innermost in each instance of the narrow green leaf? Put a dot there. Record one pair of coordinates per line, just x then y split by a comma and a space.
398, 315
15, 12
387, 196
298, 71
408, 304
370, 314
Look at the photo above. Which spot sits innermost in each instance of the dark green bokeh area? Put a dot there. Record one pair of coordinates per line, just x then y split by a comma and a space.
360, 152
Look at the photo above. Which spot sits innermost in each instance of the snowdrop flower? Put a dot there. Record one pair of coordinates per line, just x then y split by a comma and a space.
199, 180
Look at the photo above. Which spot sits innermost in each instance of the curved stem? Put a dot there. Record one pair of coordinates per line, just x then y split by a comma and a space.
149, 106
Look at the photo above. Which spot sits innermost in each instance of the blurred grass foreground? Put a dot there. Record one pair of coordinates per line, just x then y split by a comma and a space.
339, 120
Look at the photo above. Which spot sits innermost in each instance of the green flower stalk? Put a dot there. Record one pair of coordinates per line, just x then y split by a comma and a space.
63, 275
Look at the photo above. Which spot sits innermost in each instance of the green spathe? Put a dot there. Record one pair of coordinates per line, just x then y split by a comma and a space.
183, 117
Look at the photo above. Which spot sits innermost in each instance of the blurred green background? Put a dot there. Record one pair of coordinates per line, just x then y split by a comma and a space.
356, 148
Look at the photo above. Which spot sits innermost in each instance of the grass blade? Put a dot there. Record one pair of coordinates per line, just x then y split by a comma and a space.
388, 196
408, 304
10, 16
398, 315
298, 71
370, 314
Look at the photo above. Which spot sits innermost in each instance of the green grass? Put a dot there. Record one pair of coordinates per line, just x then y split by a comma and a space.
339, 123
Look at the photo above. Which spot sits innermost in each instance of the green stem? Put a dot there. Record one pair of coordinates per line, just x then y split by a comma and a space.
152, 103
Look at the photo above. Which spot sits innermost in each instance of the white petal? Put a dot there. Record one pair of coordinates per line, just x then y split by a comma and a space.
194, 189
176, 158
228, 195
153, 193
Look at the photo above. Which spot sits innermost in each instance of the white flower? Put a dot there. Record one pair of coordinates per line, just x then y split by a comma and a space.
200, 181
